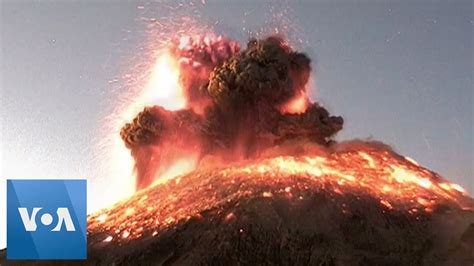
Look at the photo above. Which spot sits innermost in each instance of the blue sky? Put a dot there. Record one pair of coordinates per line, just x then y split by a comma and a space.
397, 71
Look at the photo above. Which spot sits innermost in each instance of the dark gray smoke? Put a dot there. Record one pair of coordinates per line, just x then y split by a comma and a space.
241, 98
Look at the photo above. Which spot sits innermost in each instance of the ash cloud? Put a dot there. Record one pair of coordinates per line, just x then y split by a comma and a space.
235, 106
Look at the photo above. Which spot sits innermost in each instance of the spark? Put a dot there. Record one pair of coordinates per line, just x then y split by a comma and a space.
267, 194
102, 218
125, 234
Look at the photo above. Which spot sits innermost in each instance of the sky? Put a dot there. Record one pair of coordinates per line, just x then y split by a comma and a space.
398, 71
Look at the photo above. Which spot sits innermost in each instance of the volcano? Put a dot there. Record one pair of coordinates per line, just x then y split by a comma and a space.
357, 204
240, 167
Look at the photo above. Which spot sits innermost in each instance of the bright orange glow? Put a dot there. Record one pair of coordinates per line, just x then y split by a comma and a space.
179, 167
164, 88
392, 181
297, 105
116, 179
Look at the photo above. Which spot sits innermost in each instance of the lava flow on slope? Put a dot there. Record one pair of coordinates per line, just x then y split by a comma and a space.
363, 200
395, 182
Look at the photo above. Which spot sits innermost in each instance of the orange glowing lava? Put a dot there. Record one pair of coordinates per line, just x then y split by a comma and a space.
395, 183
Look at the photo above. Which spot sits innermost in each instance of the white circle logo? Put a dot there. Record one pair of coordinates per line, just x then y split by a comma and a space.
46, 219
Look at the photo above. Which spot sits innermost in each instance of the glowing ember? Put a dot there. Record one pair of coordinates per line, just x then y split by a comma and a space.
102, 218
126, 234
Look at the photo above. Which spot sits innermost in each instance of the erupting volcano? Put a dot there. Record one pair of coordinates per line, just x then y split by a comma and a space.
235, 164
241, 167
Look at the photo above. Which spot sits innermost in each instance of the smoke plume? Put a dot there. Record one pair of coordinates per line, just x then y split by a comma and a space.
239, 103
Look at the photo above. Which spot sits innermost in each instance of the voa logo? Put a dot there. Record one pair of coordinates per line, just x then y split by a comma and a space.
29, 220
46, 219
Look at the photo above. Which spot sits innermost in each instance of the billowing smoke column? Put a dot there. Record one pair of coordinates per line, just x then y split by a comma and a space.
238, 103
